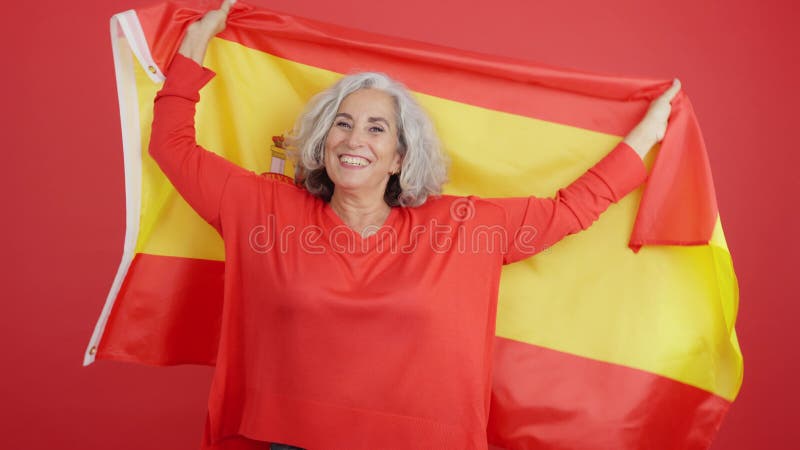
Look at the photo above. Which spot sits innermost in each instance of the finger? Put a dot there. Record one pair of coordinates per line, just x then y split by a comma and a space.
226, 5
670, 93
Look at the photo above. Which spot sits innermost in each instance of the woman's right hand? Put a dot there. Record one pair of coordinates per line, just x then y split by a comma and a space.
199, 33
650, 130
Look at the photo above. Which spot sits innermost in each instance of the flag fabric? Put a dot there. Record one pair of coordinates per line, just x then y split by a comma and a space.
621, 336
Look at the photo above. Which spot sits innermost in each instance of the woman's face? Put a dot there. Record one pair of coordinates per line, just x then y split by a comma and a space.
361, 147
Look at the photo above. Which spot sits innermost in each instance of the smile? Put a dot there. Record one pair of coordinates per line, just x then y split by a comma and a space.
353, 161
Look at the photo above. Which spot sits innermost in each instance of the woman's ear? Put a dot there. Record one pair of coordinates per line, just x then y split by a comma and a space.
398, 164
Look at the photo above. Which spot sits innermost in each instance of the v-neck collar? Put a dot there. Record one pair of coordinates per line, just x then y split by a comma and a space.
340, 235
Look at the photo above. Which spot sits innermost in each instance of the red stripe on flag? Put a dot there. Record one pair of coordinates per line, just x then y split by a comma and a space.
168, 312
553, 94
555, 400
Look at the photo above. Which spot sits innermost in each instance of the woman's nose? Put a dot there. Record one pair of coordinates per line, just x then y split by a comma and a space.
355, 139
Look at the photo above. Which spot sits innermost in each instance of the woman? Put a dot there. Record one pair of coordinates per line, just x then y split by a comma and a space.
359, 309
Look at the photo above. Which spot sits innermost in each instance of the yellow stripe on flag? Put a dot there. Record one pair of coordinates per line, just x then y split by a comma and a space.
532, 155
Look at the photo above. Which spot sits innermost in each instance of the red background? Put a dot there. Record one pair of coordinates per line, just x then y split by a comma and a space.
63, 224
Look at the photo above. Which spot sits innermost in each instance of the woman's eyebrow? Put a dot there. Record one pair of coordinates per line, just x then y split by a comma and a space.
369, 119
379, 119
345, 115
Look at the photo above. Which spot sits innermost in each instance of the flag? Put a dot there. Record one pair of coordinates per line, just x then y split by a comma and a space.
621, 336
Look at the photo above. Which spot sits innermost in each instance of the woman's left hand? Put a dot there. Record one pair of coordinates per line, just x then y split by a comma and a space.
199, 33
650, 130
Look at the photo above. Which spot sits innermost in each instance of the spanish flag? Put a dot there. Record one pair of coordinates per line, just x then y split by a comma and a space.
619, 337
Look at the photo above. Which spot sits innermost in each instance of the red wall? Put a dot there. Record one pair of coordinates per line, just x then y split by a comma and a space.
64, 222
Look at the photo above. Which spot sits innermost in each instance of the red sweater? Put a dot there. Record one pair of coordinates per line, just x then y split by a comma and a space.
333, 341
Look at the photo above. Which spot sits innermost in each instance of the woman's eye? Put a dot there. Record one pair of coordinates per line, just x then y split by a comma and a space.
343, 124
376, 129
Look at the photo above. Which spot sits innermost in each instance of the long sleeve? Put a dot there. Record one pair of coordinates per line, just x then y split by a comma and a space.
534, 224
199, 175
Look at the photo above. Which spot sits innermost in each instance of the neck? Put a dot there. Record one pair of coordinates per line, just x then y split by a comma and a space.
363, 215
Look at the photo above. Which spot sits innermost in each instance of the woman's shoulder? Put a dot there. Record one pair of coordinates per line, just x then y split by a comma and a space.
462, 208
250, 185
249, 179
446, 200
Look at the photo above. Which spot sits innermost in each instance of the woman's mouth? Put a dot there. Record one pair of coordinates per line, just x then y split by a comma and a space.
353, 161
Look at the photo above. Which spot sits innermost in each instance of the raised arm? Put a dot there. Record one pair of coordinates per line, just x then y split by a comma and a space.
199, 175
534, 224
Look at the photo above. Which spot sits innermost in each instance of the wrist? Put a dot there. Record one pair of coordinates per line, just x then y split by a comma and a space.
199, 33
641, 139
194, 43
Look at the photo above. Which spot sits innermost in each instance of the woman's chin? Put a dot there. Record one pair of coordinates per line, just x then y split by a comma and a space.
350, 186
353, 184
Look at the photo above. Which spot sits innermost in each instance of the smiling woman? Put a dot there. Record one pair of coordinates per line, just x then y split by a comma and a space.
370, 109
370, 139
361, 346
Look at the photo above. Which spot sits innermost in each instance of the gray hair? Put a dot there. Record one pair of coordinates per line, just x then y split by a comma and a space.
424, 167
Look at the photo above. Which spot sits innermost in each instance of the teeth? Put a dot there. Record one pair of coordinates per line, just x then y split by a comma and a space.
353, 160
